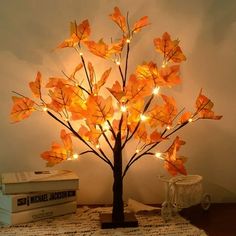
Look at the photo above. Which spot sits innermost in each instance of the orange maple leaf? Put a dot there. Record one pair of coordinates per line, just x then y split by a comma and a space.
91, 72
59, 153
78, 33
56, 82
117, 92
157, 116
141, 133
173, 163
167, 76
99, 110
102, 81
66, 139
61, 96
22, 108
77, 106
155, 137
135, 110
170, 49
185, 117
35, 86
204, 108
119, 19
142, 22
90, 134
138, 88
104, 50
77, 68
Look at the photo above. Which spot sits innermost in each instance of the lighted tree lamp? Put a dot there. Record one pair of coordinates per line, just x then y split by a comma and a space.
135, 109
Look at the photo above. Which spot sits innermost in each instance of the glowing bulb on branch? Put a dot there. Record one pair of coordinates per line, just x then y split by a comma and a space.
81, 54
155, 91
97, 146
105, 126
123, 108
164, 64
127, 40
190, 120
168, 127
75, 156
137, 150
143, 117
158, 155
45, 109
117, 62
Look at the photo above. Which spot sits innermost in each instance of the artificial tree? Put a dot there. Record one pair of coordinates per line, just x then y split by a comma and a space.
136, 108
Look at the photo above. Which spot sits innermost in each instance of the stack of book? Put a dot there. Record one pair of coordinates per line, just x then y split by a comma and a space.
31, 196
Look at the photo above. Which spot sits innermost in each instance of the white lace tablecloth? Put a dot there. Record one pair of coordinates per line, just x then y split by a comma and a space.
86, 223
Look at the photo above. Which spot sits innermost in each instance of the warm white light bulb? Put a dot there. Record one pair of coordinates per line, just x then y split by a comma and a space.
190, 120
164, 64
81, 54
137, 150
105, 126
123, 108
75, 156
97, 146
117, 62
168, 127
143, 117
127, 40
45, 109
155, 91
158, 155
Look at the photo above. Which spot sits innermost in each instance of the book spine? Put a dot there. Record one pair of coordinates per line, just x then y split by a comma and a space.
17, 188
22, 202
38, 213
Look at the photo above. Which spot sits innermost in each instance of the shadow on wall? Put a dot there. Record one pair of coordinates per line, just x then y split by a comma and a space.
218, 193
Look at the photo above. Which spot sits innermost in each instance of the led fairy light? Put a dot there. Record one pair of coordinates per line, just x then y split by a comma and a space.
75, 156
97, 146
127, 40
143, 117
117, 62
137, 150
159, 155
105, 126
155, 91
190, 120
45, 109
81, 54
123, 108
164, 64
168, 127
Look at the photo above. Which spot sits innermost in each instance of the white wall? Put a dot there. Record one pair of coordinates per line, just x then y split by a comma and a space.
29, 31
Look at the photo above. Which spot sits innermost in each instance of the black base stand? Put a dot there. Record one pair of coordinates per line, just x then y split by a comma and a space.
129, 221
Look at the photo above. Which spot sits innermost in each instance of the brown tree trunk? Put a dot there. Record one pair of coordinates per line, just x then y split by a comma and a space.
118, 205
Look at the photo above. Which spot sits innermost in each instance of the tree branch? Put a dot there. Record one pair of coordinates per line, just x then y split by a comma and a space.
105, 137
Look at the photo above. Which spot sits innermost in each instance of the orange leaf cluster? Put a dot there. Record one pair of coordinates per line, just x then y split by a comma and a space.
204, 108
167, 76
58, 152
78, 34
22, 108
169, 48
173, 163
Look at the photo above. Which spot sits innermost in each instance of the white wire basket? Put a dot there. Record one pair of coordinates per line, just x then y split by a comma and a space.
186, 191
183, 192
